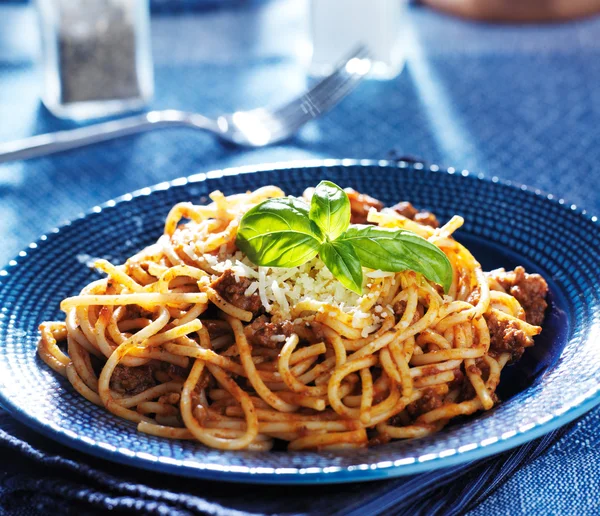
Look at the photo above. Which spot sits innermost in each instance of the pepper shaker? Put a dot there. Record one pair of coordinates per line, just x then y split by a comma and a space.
97, 56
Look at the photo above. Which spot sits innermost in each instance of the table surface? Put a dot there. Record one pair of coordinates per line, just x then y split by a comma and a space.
519, 103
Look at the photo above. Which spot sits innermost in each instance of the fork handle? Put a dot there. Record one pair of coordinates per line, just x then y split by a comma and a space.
50, 143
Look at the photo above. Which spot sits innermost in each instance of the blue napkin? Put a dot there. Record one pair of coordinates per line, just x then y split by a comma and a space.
45, 477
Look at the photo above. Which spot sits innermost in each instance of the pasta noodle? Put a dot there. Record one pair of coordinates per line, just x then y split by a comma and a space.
190, 340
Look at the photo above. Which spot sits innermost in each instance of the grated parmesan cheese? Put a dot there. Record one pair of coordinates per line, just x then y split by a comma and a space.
281, 289
368, 330
309, 291
280, 297
262, 288
356, 318
251, 289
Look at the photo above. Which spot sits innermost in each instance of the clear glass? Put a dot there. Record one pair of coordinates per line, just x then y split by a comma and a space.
97, 56
338, 26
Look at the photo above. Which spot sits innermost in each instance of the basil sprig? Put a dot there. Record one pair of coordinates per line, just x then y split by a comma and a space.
279, 233
330, 209
287, 232
341, 259
396, 250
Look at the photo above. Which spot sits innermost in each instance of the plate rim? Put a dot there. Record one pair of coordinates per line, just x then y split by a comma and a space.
250, 475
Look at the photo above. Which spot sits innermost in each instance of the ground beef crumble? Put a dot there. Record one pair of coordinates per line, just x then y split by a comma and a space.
216, 328
529, 289
506, 336
428, 402
261, 331
425, 218
265, 333
232, 291
399, 309
360, 204
132, 380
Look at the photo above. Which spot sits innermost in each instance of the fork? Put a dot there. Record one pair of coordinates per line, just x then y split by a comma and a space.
255, 128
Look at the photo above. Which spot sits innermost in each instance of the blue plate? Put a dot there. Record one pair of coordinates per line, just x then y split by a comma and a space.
555, 382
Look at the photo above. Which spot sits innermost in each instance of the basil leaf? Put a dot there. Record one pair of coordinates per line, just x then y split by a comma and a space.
279, 233
342, 261
397, 250
330, 209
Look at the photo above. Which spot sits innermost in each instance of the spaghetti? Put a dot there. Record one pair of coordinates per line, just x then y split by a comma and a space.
190, 340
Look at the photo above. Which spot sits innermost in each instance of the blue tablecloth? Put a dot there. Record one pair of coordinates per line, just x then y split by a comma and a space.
520, 103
